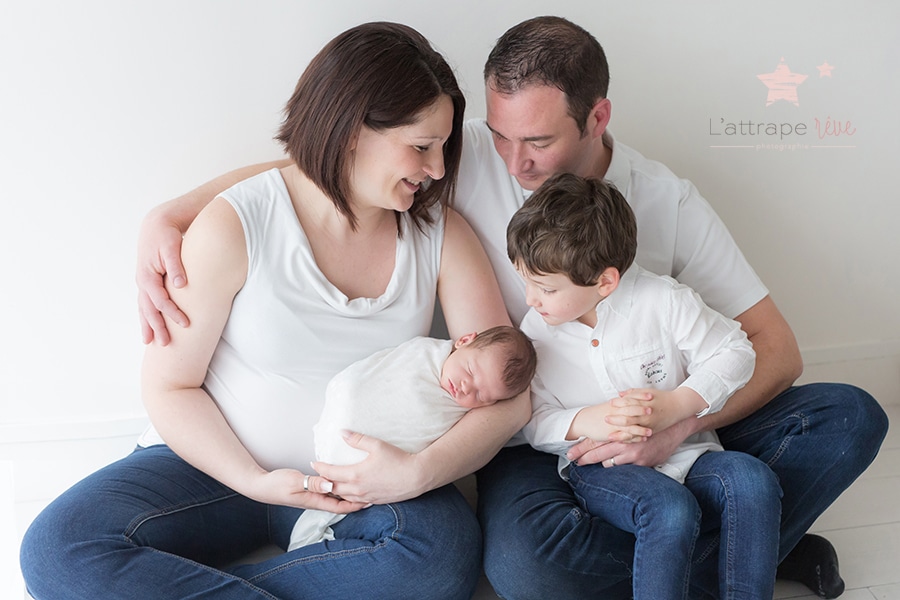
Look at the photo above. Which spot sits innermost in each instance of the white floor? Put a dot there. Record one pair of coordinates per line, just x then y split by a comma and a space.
864, 526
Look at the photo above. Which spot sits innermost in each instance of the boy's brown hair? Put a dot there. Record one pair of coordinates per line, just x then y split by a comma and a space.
575, 226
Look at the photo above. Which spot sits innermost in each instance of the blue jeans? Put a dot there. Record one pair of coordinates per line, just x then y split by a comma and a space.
662, 514
152, 526
737, 552
540, 542
730, 492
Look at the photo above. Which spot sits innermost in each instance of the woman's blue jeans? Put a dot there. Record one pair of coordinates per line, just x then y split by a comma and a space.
152, 526
730, 492
539, 542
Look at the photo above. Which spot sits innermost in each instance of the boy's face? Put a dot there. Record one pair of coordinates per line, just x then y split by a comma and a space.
559, 301
474, 376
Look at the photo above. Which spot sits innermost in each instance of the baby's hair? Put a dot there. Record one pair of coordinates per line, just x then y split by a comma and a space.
521, 358
575, 226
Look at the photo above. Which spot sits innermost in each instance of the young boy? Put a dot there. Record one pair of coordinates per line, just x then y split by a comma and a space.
411, 395
623, 352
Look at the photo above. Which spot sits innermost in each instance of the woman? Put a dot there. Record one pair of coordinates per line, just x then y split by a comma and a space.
293, 275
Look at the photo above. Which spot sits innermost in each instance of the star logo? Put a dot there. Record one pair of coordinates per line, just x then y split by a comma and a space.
825, 69
782, 84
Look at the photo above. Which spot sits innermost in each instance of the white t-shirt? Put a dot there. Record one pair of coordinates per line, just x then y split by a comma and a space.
652, 332
679, 234
290, 330
394, 395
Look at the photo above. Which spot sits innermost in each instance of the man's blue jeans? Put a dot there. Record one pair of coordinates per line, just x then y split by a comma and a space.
540, 543
152, 526
730, 492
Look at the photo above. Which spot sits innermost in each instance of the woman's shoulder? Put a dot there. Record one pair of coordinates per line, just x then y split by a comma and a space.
260, 187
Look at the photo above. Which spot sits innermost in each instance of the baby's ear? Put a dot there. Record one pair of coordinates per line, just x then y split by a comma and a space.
465, 339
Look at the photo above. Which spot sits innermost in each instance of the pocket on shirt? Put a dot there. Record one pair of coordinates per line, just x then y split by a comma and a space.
647, 368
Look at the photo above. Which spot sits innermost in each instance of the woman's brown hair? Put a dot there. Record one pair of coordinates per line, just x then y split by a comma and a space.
379, 75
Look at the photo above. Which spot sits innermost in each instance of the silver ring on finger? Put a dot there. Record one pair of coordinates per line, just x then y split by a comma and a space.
306, 483
612, 461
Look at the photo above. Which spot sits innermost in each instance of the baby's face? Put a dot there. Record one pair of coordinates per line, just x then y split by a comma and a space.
474, 376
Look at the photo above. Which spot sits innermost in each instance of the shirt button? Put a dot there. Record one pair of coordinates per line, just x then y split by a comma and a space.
595, 343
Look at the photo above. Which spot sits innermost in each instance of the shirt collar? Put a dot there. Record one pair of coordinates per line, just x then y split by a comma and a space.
621, 300
619, 171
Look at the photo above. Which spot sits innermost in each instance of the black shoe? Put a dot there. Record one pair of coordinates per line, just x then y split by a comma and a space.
814, 563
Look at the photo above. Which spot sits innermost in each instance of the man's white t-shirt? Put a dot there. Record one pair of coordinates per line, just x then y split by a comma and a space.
679, 234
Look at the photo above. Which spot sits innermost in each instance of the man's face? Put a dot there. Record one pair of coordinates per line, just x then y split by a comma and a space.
535, 135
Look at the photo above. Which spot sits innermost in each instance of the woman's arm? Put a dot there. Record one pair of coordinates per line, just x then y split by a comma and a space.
159, 251
185, 416
471, 301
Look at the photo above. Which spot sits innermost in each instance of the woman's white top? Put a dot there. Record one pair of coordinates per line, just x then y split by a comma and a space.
290, 330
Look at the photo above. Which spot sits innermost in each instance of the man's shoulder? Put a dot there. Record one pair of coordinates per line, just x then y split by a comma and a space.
632, 172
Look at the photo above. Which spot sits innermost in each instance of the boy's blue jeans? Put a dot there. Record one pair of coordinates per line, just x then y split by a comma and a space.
152, 526
728, 492
541, 543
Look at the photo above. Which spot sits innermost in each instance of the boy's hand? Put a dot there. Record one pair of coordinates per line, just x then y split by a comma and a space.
665, 408
654, 451
598, 422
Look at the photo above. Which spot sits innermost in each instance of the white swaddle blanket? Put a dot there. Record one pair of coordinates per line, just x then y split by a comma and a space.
394, 395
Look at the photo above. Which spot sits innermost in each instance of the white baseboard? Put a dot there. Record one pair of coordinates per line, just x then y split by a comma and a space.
850, 352
57, 431
875, 367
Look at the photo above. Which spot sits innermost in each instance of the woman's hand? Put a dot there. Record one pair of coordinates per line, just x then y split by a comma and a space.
285, 487
387, 475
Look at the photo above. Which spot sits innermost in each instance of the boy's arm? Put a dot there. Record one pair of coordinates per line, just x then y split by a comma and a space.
778, 364
554, 428
159, 250
732, 365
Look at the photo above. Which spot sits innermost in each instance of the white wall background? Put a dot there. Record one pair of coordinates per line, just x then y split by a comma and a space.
110, 107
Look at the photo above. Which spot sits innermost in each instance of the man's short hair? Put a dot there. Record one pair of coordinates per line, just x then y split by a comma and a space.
550, 51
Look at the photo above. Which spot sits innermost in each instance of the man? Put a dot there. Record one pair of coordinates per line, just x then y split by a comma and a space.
547, 112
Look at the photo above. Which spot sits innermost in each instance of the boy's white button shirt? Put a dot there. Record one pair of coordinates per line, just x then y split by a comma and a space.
653, 333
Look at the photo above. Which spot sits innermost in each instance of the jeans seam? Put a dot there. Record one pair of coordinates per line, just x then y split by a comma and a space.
332, 555
138, 521
218, 572
782, 448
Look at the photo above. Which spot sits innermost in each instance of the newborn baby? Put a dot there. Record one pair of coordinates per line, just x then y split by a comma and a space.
410, 396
